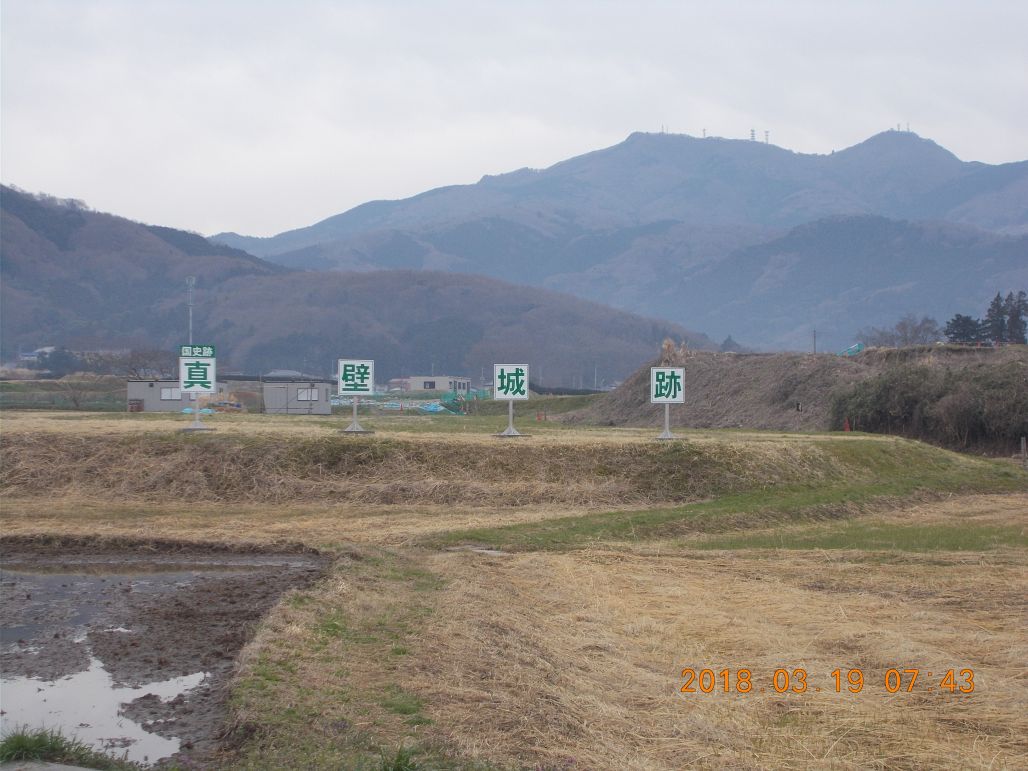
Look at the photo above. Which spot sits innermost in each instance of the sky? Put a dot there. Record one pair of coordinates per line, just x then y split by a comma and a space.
258, 117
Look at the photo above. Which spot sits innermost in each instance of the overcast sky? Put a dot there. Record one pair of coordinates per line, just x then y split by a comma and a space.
259, 117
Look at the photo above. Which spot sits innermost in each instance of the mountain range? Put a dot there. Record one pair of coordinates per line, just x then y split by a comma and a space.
728, 237
93, 281
733, 237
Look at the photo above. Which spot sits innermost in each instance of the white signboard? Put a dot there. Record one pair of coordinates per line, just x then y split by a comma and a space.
197, 373
356, 377
666, 385
510, 381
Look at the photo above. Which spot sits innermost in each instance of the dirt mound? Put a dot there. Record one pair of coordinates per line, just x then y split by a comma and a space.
779, 391
267, 469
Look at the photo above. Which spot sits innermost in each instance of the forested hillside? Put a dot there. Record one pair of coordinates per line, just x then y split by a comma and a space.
87, 280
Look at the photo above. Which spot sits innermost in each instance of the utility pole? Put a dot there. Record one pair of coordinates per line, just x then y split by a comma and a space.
815, 339
190, 284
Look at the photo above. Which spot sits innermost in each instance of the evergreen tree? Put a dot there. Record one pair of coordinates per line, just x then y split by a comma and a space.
1017, 309
963, 329
995, 323
730, 345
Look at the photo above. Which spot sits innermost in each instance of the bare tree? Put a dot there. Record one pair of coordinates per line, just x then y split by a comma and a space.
136, 364
78, 387
909, 330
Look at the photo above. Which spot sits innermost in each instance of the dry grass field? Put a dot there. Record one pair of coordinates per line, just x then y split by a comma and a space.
533, 604
542, 659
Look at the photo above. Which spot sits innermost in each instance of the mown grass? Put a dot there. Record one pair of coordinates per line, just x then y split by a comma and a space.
51, 746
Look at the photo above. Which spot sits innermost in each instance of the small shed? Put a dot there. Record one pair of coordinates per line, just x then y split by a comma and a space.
296, 396
444, 383
159, 396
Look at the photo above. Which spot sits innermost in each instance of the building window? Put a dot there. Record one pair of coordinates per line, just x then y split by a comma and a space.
306, 394
170, 395
429, 385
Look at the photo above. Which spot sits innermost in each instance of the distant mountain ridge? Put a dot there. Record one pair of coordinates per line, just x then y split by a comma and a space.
879, 266
87, 280
631, 224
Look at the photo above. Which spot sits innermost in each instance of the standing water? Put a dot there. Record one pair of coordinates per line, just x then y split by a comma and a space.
130, 653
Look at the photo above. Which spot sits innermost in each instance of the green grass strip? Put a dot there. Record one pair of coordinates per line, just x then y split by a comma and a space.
879, 476
875, 536
51, 746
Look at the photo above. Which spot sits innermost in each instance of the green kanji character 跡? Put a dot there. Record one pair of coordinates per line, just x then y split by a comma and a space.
667, 385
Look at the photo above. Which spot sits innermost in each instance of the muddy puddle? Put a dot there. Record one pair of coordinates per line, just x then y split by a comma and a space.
131, 650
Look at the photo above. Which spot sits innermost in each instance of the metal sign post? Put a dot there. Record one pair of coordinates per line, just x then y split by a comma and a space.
666, 433
355, 426
510, 384
666, 388
197, 374
510, 430
356, 377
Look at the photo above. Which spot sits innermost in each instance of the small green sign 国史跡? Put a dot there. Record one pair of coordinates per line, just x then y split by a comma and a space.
197, 369
206, 351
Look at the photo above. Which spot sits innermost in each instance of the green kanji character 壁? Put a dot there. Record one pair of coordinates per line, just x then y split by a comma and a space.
355, 377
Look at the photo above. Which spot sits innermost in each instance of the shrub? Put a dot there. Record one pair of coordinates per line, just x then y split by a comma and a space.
984, 408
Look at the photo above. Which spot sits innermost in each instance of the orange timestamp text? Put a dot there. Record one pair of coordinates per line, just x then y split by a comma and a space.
839, 680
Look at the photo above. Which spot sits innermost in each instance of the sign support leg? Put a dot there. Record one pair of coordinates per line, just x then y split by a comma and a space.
197, 421
355, 427
666, 434
197, 424
511, 431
